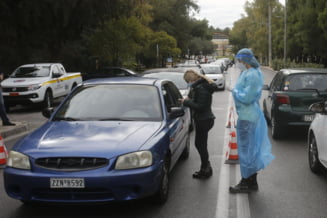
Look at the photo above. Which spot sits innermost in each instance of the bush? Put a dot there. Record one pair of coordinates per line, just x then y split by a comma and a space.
278, 64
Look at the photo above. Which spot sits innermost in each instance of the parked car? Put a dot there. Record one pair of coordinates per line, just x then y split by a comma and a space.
112, 139
215, 73
317, 138
176, 75
289, 96
38, 83
105, 72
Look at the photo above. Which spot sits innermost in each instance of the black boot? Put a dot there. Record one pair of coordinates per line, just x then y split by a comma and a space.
204, 173
253, 184
241, 187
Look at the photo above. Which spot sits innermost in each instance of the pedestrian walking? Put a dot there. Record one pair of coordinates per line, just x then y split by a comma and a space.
3, 114
254, 147
199, 101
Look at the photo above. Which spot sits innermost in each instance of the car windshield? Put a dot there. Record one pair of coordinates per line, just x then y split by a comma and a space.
35, 71
177, 78
306, 81
112, 102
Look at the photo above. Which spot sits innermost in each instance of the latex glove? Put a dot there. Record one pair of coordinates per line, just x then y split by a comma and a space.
229, 88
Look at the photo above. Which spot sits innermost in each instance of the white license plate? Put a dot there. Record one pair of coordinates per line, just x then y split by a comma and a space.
67, 183
309, 118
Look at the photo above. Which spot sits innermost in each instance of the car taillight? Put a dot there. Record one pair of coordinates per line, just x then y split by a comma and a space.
282, 99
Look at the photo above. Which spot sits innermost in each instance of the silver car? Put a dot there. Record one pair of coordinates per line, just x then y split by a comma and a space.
215, 73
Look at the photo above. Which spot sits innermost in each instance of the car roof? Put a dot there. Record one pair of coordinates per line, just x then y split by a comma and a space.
38, 64
123, 80
170, 69
303, 70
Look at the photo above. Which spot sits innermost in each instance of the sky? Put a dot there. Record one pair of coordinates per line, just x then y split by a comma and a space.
222, 13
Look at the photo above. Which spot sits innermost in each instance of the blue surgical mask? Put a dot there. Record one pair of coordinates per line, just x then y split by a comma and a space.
190, 84
241, 66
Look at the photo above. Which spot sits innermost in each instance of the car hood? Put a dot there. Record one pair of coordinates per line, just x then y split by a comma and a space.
97, 139
23, 81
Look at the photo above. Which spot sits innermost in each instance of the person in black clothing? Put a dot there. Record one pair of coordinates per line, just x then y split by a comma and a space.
3, 114
200, 100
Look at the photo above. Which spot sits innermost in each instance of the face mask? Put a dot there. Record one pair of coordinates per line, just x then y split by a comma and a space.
190, 84
241, 66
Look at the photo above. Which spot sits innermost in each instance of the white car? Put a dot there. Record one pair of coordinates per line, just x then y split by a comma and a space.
317, 138
215, 73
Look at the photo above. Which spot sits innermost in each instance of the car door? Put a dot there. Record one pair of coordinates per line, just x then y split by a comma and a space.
178, 127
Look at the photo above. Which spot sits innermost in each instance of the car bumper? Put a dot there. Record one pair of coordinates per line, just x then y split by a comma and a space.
22, 99
285, 116
100, 185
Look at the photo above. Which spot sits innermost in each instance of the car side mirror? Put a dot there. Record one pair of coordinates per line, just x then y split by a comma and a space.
47, 112
319, 107
176, 112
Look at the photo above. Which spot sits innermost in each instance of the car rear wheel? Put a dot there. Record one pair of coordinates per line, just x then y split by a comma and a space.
161, 195
277, 130
314, 162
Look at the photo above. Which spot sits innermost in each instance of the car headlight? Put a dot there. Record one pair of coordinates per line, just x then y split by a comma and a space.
18, 160
134, 160
33, 87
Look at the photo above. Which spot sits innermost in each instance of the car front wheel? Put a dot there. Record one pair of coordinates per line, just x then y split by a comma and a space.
161, 195
314, 162
47, 102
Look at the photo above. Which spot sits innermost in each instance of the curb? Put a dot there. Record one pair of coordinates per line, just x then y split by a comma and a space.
8, 131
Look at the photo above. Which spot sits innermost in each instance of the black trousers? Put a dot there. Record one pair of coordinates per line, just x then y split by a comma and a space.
202, 128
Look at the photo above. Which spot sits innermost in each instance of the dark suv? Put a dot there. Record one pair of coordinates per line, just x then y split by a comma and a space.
290, 94
105, 72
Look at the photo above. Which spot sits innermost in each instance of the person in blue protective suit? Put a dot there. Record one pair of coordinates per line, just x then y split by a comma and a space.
254, 147
200, 100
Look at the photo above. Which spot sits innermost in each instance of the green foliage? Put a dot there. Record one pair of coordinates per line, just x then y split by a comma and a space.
278, 64
81, 33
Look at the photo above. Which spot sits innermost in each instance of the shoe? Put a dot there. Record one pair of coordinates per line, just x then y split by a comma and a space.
203, 173
253, 184
8, 124
241, 187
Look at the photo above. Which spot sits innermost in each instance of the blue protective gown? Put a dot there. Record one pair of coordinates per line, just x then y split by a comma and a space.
254, 147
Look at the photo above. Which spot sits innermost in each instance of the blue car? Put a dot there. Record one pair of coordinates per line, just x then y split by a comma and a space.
112, 139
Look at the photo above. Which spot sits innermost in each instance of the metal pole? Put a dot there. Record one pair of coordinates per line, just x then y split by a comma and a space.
285, 32
269, 34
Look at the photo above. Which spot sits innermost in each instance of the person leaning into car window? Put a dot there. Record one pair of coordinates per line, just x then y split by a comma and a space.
254, 147
199, 101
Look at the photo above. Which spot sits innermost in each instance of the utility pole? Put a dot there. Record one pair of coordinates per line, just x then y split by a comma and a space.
285, 32
269, 35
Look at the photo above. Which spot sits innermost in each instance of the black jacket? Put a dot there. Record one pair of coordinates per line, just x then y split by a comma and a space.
200, 99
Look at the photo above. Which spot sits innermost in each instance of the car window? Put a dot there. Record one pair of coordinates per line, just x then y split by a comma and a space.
35, 71
276, 83
306, 81
171, 96
112, 102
